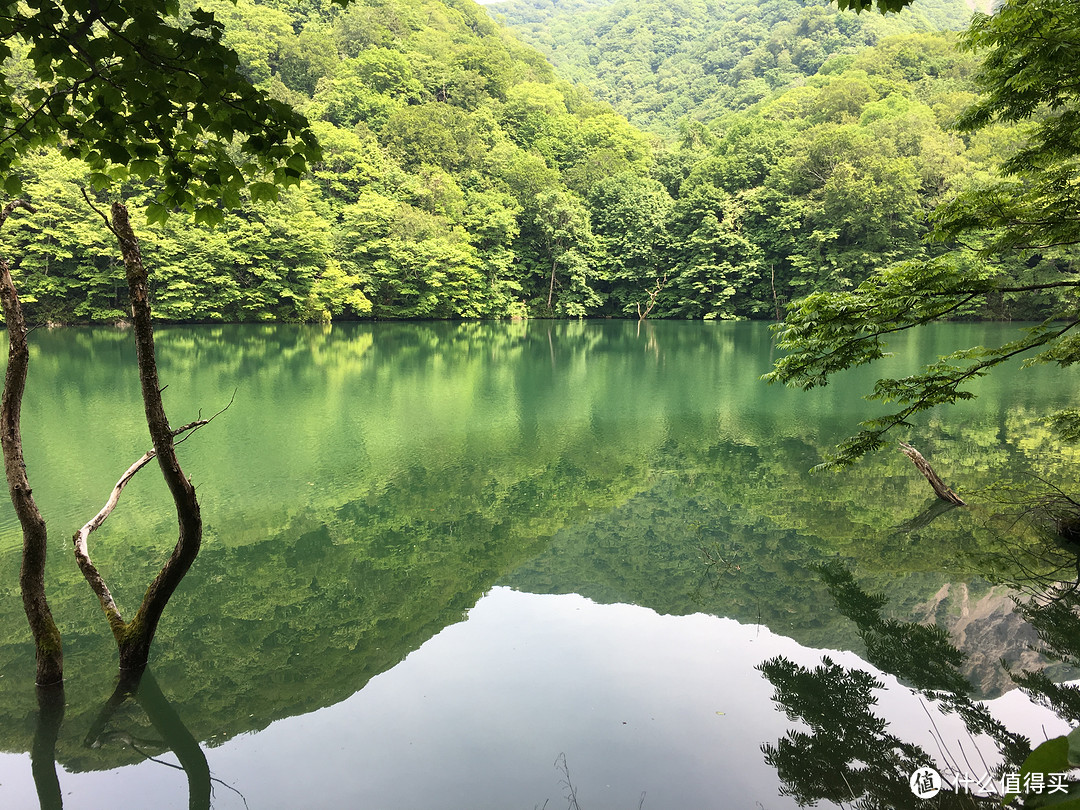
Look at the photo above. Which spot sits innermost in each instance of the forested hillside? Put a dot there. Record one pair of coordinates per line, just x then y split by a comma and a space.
461, 178
659, 62
453, 175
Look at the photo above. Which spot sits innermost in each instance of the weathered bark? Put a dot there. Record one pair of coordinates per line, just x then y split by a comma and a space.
135, 638
82, 537
49, 650
82, 551
939, 487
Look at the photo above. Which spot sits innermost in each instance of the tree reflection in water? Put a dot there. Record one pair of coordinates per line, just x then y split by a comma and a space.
50, 701
848, 755
113, 725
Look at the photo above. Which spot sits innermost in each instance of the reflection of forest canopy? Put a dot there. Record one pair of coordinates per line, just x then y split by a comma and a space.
513, 464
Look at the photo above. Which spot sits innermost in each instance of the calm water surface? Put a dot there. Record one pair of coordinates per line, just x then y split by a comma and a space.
497, 565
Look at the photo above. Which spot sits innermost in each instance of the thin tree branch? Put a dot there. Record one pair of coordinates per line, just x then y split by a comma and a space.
82, 536
98, 211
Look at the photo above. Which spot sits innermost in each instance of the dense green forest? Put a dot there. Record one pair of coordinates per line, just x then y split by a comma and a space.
461, 178
660, 63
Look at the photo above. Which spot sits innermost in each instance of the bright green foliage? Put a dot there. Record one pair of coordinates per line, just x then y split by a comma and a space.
437, 132
716, 262
566, 242
138, 89
826, 333
1029, 77
660, 62
630, 219
458, 176
820, 186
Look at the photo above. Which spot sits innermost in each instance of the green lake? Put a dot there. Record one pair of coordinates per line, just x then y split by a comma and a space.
500, 565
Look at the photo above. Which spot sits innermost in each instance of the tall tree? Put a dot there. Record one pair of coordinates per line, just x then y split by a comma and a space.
47, 643
566, 239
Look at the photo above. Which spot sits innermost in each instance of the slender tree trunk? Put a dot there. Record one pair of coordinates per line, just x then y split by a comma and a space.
134, 642
49, 650
551, 287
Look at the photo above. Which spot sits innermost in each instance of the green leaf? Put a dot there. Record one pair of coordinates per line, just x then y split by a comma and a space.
298, 163
143, 169
1050, 757
156, 213
13, 185
209, 215
263, 191
1074, 747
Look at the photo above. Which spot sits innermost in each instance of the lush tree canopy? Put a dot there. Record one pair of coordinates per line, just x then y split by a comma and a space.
659, 62
457, 177
142, 89
1029, 210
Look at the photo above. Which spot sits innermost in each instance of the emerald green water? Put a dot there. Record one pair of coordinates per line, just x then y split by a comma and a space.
623, 514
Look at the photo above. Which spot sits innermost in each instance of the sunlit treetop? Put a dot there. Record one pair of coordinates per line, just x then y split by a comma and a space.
884, 6
138, 88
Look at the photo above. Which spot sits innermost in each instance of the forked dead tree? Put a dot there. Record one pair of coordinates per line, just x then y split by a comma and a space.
653, 295
134, 637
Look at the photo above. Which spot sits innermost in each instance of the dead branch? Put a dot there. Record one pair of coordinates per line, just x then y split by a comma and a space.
653, 295
82, 536
82, 554
939, 487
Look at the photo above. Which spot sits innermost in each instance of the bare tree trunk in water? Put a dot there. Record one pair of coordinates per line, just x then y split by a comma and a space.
939, 487
49, 650
135, 637
139, 634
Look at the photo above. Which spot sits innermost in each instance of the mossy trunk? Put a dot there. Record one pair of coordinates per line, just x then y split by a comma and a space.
48, 647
